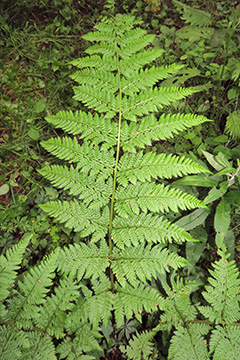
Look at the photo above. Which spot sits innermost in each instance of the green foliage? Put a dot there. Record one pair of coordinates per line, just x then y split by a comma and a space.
233, 124
209, 331
31, 318
222, 197
117, 191
116, 195
120, 241
219, 328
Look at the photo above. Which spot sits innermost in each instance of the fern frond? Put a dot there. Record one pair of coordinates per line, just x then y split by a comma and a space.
224, 342
83, 260
133, 167
85, 340
132, 46
96, 305
92, 192
108, 49
95, 128
102, 80
96, 61
134, 63
41, 347
233, 124
78, 217
222, 293
8, 266
147, 78
131, 301
188, 344
152, 197
146, 228
17, 341
178, 307
153, 129
25, 305
106, 35
151, 100
53, 314
100, 100
140, 346
88, 158
143, 262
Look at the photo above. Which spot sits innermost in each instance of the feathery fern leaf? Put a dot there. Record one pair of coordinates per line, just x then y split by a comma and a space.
178, 307
8, 267
154, 198
133, 167
84, 261
31, 293
88, 158
130, 301
146, 228
153, 129
53, 314
16, 341
96, 128
144, 262
147, 78
188, 344
140, 347
41, 347
224, 342
78, 217
92, 192
85, 340
116, 200
223, 292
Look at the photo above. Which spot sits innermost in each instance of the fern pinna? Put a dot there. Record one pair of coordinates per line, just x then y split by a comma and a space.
118, 194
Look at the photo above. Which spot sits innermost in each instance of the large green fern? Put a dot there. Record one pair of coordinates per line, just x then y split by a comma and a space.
119, 199
116, 189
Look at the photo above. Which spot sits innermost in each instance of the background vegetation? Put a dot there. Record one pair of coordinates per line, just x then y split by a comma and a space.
38, 40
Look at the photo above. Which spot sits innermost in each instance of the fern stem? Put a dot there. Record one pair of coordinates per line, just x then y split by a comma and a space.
110, 238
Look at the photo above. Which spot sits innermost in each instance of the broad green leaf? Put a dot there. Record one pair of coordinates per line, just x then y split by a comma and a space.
196, 180
34, 133
191, 221
39, 107
233, 197
212, 160
195, 249
222, 220
229, 241
215, 193
4, 189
